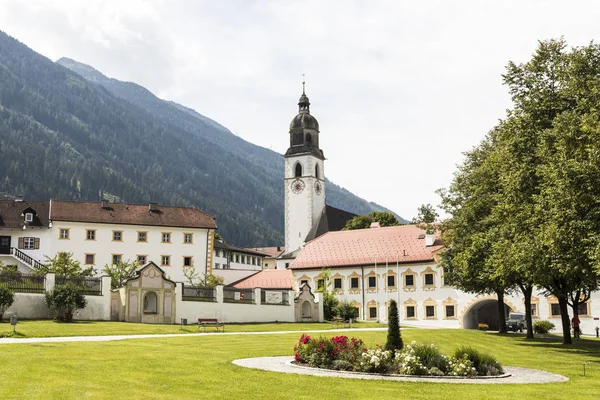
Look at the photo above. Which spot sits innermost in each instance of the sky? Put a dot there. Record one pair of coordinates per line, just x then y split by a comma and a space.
401, 89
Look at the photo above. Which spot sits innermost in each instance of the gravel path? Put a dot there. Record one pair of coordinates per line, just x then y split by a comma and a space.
165, 335
284, 364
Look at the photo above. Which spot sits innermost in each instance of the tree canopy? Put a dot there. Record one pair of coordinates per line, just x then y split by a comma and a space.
385, 218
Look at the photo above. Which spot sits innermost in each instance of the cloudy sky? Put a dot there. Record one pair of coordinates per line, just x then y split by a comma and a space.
400, 88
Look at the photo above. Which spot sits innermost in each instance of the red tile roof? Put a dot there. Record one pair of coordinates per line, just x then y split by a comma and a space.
267, 279
11, 213
130, 214
273, 252
366, 247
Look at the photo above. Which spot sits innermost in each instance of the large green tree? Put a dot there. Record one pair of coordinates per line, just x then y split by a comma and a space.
385, 218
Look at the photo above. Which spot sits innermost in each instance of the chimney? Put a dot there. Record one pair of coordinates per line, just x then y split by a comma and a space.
375, 225
429, 239
18, 199
153, 207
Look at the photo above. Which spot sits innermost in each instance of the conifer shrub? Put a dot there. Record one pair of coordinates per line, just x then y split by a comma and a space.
394, 339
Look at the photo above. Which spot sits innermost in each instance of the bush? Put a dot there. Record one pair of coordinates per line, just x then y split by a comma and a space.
543, 326
485, 364
344, 309
376, 360
323, 352
329, 305
422, 359
64, 300
6, 299
394, 340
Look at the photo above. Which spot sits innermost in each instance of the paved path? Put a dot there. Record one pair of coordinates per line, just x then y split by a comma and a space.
166, 335
284, 364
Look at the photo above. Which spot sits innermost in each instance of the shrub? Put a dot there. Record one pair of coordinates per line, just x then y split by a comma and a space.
461, 367
64, 300
323, 352
6, 299
482, 326
407, 363
376, 360
345, 310
422, 359
543, 326
329, 305
485, 364
394, 340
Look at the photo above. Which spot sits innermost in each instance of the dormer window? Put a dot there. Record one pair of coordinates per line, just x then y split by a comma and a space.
28, 217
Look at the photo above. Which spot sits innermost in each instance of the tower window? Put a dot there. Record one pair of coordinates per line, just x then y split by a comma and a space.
317, 171
308, 138
298, 170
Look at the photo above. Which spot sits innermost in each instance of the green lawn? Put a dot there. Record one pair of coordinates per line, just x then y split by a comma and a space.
27, 328
200, 368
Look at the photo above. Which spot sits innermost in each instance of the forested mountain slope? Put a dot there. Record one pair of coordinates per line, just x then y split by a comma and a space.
71, 136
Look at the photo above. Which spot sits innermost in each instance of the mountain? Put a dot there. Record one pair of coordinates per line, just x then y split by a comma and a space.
80, 135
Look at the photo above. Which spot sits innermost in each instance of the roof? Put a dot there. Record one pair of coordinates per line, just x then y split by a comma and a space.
11, 214
130, 214
224, 246
267, 279
331, 219
366, 247
272, 252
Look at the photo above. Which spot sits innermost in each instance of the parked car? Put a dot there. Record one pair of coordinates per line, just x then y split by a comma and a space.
516, 322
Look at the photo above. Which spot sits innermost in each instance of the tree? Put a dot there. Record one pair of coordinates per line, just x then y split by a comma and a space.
394, 340
426, 218
64, 265
195, 279
120, 272
345, 310
7, 298
64, 300
385, 218
329, 300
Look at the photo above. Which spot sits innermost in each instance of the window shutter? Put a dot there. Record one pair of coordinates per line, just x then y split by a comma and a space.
36, 243
21, 243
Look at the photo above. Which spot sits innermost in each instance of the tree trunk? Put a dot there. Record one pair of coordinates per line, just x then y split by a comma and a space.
527, 290
564, 316
501, 313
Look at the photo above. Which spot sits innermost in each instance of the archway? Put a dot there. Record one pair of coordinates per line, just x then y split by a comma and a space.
484, 311
306, 308
150, 303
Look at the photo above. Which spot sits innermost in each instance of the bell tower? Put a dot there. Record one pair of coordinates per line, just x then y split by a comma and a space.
304, 177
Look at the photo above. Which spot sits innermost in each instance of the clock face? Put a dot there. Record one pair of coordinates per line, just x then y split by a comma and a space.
318, 188
297, 186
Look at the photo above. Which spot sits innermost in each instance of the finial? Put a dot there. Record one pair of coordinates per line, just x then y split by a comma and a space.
303, 82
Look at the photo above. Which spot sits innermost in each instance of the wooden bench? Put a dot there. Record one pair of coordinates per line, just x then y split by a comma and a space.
336, 321
204, 322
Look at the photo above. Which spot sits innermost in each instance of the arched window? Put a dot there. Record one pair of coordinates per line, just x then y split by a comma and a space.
150, 303
317, 171
308, 138
298, 170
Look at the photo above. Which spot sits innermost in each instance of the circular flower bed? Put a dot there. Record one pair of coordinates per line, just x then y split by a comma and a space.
344, 354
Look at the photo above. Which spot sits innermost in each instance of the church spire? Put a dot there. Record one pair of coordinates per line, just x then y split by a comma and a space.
303, 103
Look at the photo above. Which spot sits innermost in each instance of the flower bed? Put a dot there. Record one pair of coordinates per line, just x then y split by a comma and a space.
344, 354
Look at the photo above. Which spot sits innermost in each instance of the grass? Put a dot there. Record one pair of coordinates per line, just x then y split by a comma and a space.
30, 328
200, 367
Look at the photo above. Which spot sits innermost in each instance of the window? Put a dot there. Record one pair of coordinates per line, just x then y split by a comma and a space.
353, 283
29, 243
409, 280
287, 265
582, 309
64, 234
217, 266
298, 170
444, 282
429, 311
165, 260
372, 282
28, 217
321, 284
117, 236
428, 279
117, 258
391, 281
372, 312
90, 259
450, 311
308, 138
90, 234
237, 258
337, 283
534, 310
188, 238
259, 261
187, 261
141, 259
303, 282
317, 171
142, 236
166, 237
554, 310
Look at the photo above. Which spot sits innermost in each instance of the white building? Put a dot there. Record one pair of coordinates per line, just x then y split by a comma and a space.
236, 263
102, 233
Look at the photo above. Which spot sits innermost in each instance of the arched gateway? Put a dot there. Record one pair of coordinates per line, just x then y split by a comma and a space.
483, 309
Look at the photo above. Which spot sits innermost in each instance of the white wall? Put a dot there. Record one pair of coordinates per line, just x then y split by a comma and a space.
233, 312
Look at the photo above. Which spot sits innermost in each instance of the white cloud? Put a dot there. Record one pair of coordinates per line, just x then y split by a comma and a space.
400, 88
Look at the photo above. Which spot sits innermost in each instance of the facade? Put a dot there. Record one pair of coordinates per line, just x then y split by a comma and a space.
371, 267
102, 233
235, 263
